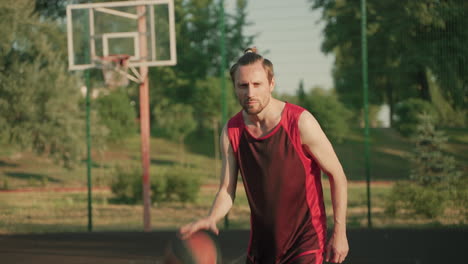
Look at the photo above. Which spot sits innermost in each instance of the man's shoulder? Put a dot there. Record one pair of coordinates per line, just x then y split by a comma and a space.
294, 111
236, 121
234, 129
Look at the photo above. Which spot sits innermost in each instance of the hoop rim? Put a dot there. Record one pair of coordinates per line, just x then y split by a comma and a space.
118, 64
113, 57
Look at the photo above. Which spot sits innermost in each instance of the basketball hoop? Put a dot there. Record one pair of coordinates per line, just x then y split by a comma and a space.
134, 33
114, 69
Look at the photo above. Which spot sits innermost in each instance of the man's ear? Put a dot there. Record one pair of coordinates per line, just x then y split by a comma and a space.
272, 84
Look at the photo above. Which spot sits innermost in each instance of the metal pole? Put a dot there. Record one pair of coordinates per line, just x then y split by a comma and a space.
223, 64
144, 122
222, 47
88, 145
88, 128
366, 106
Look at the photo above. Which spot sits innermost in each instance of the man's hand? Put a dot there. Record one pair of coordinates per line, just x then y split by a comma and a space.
202, 224
337, 248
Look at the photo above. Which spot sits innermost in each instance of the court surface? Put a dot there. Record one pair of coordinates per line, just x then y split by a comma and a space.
382, 246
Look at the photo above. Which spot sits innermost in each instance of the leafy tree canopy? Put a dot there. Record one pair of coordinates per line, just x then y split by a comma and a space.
332, 115
39, 99
195, 80
405, 40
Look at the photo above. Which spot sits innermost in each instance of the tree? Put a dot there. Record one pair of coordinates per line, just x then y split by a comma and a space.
332, 115
408, 114
301, 94
431, 165
39, 99
436, 178
405, 40
117, 114
206, 101
199, 55
174, 121
53, 9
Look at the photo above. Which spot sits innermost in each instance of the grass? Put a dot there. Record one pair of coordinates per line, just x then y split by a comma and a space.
387, 148
389, 153
43, 210
24, 169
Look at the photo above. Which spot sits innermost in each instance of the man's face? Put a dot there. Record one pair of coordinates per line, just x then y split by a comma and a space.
252, 87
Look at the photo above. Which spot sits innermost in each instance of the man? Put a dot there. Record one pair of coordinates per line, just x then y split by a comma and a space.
279, 149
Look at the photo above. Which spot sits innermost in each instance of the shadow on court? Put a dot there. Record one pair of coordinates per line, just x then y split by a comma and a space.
377, 246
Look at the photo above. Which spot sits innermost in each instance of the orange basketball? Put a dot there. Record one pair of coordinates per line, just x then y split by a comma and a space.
200, 248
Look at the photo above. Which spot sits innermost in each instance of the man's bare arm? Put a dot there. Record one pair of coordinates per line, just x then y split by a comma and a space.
317, 143
226, 192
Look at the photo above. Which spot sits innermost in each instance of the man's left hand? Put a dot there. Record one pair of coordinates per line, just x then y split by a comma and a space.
337, 248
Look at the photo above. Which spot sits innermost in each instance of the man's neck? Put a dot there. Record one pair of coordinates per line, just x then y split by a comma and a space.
268, 116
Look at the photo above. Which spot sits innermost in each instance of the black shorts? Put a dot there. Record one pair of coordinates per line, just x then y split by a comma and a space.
314, 258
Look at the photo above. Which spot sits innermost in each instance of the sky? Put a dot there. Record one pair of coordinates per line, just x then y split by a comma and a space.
288, 34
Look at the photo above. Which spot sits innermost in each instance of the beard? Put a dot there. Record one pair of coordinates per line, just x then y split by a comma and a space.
253, 109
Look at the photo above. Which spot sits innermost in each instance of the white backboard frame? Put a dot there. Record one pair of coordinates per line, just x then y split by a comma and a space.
116, 35
107, 8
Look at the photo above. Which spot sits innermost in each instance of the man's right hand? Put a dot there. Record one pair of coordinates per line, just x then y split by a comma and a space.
226, 193
203, 224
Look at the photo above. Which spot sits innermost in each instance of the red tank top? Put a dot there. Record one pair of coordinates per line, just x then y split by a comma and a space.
283, 186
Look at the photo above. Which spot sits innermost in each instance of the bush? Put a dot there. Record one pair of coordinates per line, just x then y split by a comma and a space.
158, 189
118, 115
410, 197
176, 185
181, 185
6, 185
124, 187
459, 195
408, 113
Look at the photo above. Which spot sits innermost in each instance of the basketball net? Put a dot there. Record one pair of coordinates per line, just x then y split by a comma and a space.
114, 70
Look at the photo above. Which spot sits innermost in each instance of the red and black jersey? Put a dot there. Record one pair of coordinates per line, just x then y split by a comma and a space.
283, 186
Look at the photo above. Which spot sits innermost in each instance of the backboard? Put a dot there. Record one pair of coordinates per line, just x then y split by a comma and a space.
143, 29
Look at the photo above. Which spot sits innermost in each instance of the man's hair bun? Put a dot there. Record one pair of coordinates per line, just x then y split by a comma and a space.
250, 57
248, 50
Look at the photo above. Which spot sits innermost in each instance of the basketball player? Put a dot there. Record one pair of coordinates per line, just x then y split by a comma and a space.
279, 149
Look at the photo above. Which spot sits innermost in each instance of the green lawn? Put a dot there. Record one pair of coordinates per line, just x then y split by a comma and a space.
24, 169
41, 212
388, 159
388, 155
50, 211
